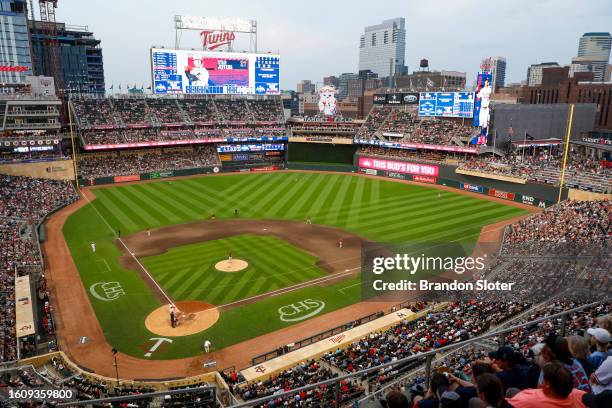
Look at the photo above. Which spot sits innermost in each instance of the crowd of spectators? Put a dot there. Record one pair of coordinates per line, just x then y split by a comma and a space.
165, 110
233, 111
266, 111
420, 155
569, 227
92, 112
402, 124
582, 172
141, 161
24, 202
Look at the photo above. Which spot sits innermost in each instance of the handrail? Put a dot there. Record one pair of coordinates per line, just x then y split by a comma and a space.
429, 355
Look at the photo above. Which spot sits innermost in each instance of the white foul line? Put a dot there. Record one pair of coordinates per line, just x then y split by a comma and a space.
128, 249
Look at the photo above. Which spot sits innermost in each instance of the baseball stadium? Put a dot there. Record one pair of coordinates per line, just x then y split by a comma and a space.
208, 240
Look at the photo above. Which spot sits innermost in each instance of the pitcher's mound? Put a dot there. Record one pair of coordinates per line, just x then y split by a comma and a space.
193, 317
235, 265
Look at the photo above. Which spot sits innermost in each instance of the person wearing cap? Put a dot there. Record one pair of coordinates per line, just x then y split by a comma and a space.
556, 391
437, 385
450, 399
508, 370
600, 338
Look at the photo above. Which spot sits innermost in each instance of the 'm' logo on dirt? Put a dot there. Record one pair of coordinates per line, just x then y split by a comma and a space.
106, 291
301, 310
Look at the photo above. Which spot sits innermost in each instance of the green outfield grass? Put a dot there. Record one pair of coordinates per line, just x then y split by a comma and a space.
377, 209
188, 272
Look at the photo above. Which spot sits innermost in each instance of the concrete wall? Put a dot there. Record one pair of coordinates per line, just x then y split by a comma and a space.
56, 170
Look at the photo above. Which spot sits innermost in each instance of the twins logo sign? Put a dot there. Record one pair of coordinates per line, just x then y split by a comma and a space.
301, 310
106, 291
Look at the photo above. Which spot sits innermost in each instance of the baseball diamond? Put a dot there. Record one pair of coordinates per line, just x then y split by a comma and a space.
169, 246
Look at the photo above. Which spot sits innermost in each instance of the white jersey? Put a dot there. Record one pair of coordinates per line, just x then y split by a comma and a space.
93, 247
202, 75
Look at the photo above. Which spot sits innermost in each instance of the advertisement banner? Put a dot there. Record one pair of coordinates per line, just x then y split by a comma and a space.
206, 72
225, 157
152, 144
501, 194
482, 100
410, 98
123, 179
161, 174
394, 99
379, 99
399, 167
472, 187
250, 147
425, 179
267, 168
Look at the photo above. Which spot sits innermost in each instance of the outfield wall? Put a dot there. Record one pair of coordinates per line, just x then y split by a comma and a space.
535, 194
322, 153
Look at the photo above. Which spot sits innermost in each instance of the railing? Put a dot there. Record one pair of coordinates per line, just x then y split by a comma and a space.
428, 356
314, 338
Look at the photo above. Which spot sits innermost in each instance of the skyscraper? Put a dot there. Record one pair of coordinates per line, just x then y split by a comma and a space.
596, 47
15, 56
497, 67
382, 48
534, 72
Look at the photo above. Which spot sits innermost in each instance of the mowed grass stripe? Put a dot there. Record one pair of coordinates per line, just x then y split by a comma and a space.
267, 197
338, 200
428, 217
165, 193
253, 194
290, 196
189, 280
132, 210
298, 205
143, 210
352, 215
158, 212
171, 206
102, 211
318, 204
125, 222
173, 214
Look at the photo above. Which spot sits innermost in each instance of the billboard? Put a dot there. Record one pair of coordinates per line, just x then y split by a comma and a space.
204, 72
379, 99
409, 98
446, 104
483, 98
398, 166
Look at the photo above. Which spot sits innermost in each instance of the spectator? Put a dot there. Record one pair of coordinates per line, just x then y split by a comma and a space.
579, 347
556, 391
600, 339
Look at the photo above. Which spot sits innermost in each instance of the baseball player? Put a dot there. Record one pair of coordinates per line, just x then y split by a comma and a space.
197, 75
340, 244
93, 247
229, 257
207, 345
148, 232
308, 220
485, 97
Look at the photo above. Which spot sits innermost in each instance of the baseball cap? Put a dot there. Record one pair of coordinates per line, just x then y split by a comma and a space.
503, 353
602, 335
450, 399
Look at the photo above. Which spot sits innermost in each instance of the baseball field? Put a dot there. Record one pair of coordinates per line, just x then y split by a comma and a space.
162, 242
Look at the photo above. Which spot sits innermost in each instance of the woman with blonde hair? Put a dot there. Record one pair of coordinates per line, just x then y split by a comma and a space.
579, 347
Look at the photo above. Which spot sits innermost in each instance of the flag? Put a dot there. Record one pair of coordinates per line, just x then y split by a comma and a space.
430, 83
528, 136
142, 87
149, 87
111, 87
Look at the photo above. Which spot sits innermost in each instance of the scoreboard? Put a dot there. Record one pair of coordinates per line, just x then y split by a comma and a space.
446, 104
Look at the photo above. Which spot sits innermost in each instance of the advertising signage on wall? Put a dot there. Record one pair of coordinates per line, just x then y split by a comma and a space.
446, 104
409, 98
399, 167
206, 72
402, 145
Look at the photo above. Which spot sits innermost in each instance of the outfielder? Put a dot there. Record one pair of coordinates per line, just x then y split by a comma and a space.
93, 247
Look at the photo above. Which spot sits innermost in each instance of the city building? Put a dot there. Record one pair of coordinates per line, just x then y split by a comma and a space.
291, 102
343, 84
80, 56
534, 72
15, 52
596, 47
580, 64
557, 88
497, 67
331, 81
357, 87
305, 86
382, 48
423, 81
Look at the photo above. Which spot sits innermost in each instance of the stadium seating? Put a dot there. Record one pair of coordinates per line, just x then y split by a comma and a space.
24, 202
141, 161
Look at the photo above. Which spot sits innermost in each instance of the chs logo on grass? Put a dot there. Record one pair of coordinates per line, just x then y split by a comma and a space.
106, 291
301, 310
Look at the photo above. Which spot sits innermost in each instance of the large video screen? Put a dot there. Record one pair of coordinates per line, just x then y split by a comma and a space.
446, 104
205, 72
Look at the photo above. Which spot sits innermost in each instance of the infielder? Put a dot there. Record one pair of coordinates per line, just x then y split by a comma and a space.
207, 345
93, 247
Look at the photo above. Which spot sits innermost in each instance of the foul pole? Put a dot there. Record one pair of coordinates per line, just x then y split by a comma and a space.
568, 132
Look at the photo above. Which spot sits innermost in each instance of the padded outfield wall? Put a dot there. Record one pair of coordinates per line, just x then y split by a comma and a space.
322, 153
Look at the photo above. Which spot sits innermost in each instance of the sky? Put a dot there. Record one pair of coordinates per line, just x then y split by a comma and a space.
319, 38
